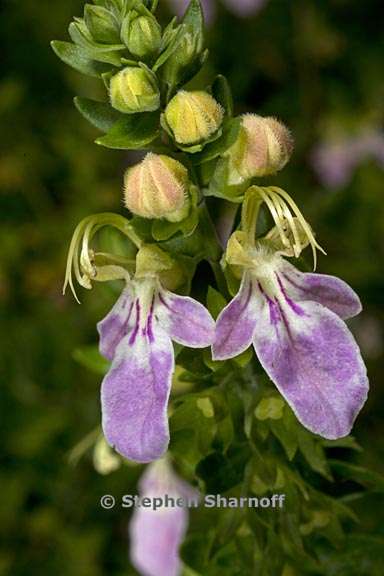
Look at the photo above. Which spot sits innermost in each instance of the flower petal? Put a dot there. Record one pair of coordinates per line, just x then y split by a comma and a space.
329, 291
189, 322
315, 363
116, 324
156, 536
135, 394
236, 323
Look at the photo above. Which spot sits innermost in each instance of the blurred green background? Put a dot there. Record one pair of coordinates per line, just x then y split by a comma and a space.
316, 65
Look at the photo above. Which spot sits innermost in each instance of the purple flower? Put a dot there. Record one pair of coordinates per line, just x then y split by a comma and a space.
242, 8
137, 336
295, 322
335, 162
156, 535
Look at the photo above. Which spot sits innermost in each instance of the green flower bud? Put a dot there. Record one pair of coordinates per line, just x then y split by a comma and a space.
264, 147
142, 35
134, 90
185, 61
102, 24
193, 117
158, 188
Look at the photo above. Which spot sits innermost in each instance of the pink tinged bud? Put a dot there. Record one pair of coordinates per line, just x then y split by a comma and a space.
193, 117
157, 188
263, 147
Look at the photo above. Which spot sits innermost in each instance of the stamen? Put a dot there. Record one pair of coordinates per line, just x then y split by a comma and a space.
287, 215
307, 229
275, 216
82, 259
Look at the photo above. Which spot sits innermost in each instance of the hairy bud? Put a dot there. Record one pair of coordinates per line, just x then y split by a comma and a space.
157, 188
264, 147
134, 90
193, 117
142, 35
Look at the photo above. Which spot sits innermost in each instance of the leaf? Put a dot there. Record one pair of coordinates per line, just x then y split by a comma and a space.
215, 302
219, 146
171, 47
347, 442
368, 478
133, 132
220, 187
285, 431
90, 357
194, 17
99, 114
79, 59
222, 93
313, 452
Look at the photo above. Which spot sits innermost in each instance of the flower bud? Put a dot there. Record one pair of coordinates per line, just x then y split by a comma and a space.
193, 117
157, 188
186, 60
264, 147
102, 24
134, 90
142, 35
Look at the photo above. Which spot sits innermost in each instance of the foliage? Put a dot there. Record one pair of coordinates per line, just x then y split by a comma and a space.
318, 66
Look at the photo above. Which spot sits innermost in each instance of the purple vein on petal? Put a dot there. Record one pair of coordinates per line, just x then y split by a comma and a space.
296, 309
137, 325
148, 330
276, 313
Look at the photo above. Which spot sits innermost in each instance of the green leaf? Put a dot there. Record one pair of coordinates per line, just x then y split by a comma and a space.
285, 431
218, 147
163, 230
99, 114
90, 358
368, 478
175, 37
222, 93
215, 302
347, 442
244, 358
220, 187
79, 59
194, 17
133, 132
102, 24
313, 452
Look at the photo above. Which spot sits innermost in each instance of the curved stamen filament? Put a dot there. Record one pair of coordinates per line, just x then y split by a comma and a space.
275, 215
307, 229
81, 258
286, 216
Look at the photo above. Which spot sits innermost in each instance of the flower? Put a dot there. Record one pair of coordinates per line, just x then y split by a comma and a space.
295, 322
137, 334
157, 187
137, 337
335, 161
193, 117
156, 535
241, 8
